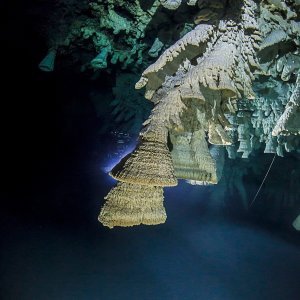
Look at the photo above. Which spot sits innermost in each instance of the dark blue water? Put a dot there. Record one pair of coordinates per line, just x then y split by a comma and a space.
54, 248
197, 254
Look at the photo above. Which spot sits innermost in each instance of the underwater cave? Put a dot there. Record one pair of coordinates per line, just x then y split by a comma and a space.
151, 149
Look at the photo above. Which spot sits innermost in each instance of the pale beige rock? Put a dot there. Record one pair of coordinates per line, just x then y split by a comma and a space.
167, 111
217, 135
130, 204
171, 4
150, 164
289, 122
192, 159
192, 84
191, 45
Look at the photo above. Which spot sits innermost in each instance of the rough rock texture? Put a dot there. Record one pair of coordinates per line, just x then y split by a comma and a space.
170, 4
225, 75
218, 64
289, 122
150, 166
192, 159
255, 121
194, 82
101, 34
191, 98
129, 204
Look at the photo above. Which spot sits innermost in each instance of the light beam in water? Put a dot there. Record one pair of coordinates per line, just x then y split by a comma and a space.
123, 144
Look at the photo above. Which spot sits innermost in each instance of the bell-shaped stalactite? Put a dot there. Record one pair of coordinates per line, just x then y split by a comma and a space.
138, 197
192, 85
100, 61
130, 204
48, 62
192, 159
149, 164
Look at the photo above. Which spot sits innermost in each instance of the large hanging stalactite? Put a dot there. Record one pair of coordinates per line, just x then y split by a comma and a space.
208, 86
222, 68
138, 198
192, 159
131, 204
190, 99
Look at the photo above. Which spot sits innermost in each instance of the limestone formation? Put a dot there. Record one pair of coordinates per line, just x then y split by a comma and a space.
202, 89
150, 164
289, 122
170, 4
130, 204
226, 75
192, 159
138, 199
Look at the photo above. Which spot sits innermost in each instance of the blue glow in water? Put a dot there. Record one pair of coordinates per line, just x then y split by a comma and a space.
123, 144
